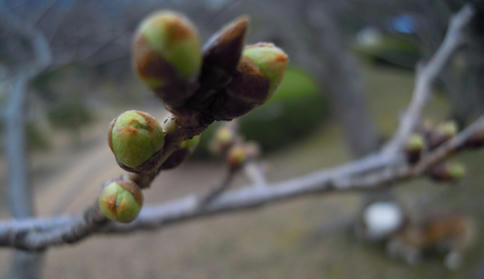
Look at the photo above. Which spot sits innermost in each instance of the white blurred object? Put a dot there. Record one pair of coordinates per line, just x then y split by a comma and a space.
381, 219
369, 36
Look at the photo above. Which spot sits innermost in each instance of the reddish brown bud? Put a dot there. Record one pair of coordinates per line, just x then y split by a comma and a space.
181, 154
222, 52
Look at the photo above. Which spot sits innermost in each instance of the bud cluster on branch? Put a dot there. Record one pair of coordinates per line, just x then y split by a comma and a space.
428, 137
205, 83
222, 81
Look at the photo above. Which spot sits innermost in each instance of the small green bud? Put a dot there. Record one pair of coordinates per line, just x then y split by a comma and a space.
415, 143
121, 201
414, 147
448, 129
258, 75
134, 138
167, 56
222, 140
236, 156
186, 148
447, 172
442, 133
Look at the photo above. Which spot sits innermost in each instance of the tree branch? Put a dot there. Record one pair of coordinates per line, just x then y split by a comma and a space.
426, 76
382, 169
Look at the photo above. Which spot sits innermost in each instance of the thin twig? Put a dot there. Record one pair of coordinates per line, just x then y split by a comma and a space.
223, 185
34, 234
426, 76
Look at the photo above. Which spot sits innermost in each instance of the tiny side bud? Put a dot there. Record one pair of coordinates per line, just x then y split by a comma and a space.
121, 201
442, 133
236, 156
414, 148
222, 140
186, 148
447, 172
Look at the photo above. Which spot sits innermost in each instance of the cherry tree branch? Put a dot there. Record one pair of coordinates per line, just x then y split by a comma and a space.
427, 73
382, 169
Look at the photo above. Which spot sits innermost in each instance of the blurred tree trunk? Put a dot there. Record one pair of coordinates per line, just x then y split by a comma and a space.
23, 264
341, 75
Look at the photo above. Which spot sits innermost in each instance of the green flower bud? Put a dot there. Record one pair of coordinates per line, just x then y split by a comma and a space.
236, 156
186, 148
222, 140
414, 147
447, 172
135, 138
442, 133
121, 201
258, 74
167, 56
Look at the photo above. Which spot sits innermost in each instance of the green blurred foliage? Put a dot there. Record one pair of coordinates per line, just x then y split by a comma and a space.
70, 114
36, 137
294, 111
392, 51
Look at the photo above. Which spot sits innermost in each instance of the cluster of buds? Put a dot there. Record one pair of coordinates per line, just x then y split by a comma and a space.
221, 81
429, 137
228, 144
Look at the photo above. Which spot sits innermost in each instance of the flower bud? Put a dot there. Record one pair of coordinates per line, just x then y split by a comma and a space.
135, 138
222, 140
442, 133
414, 147
236, 156
186, 148
447, 172
222, 52
121, 201
258, 74
167, 56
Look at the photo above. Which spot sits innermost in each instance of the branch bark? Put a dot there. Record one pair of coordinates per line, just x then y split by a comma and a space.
380, 170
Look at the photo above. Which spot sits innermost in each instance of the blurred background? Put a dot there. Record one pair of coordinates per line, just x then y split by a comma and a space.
65, 72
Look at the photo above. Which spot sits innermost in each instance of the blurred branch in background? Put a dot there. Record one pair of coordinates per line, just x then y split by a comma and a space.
369, 173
